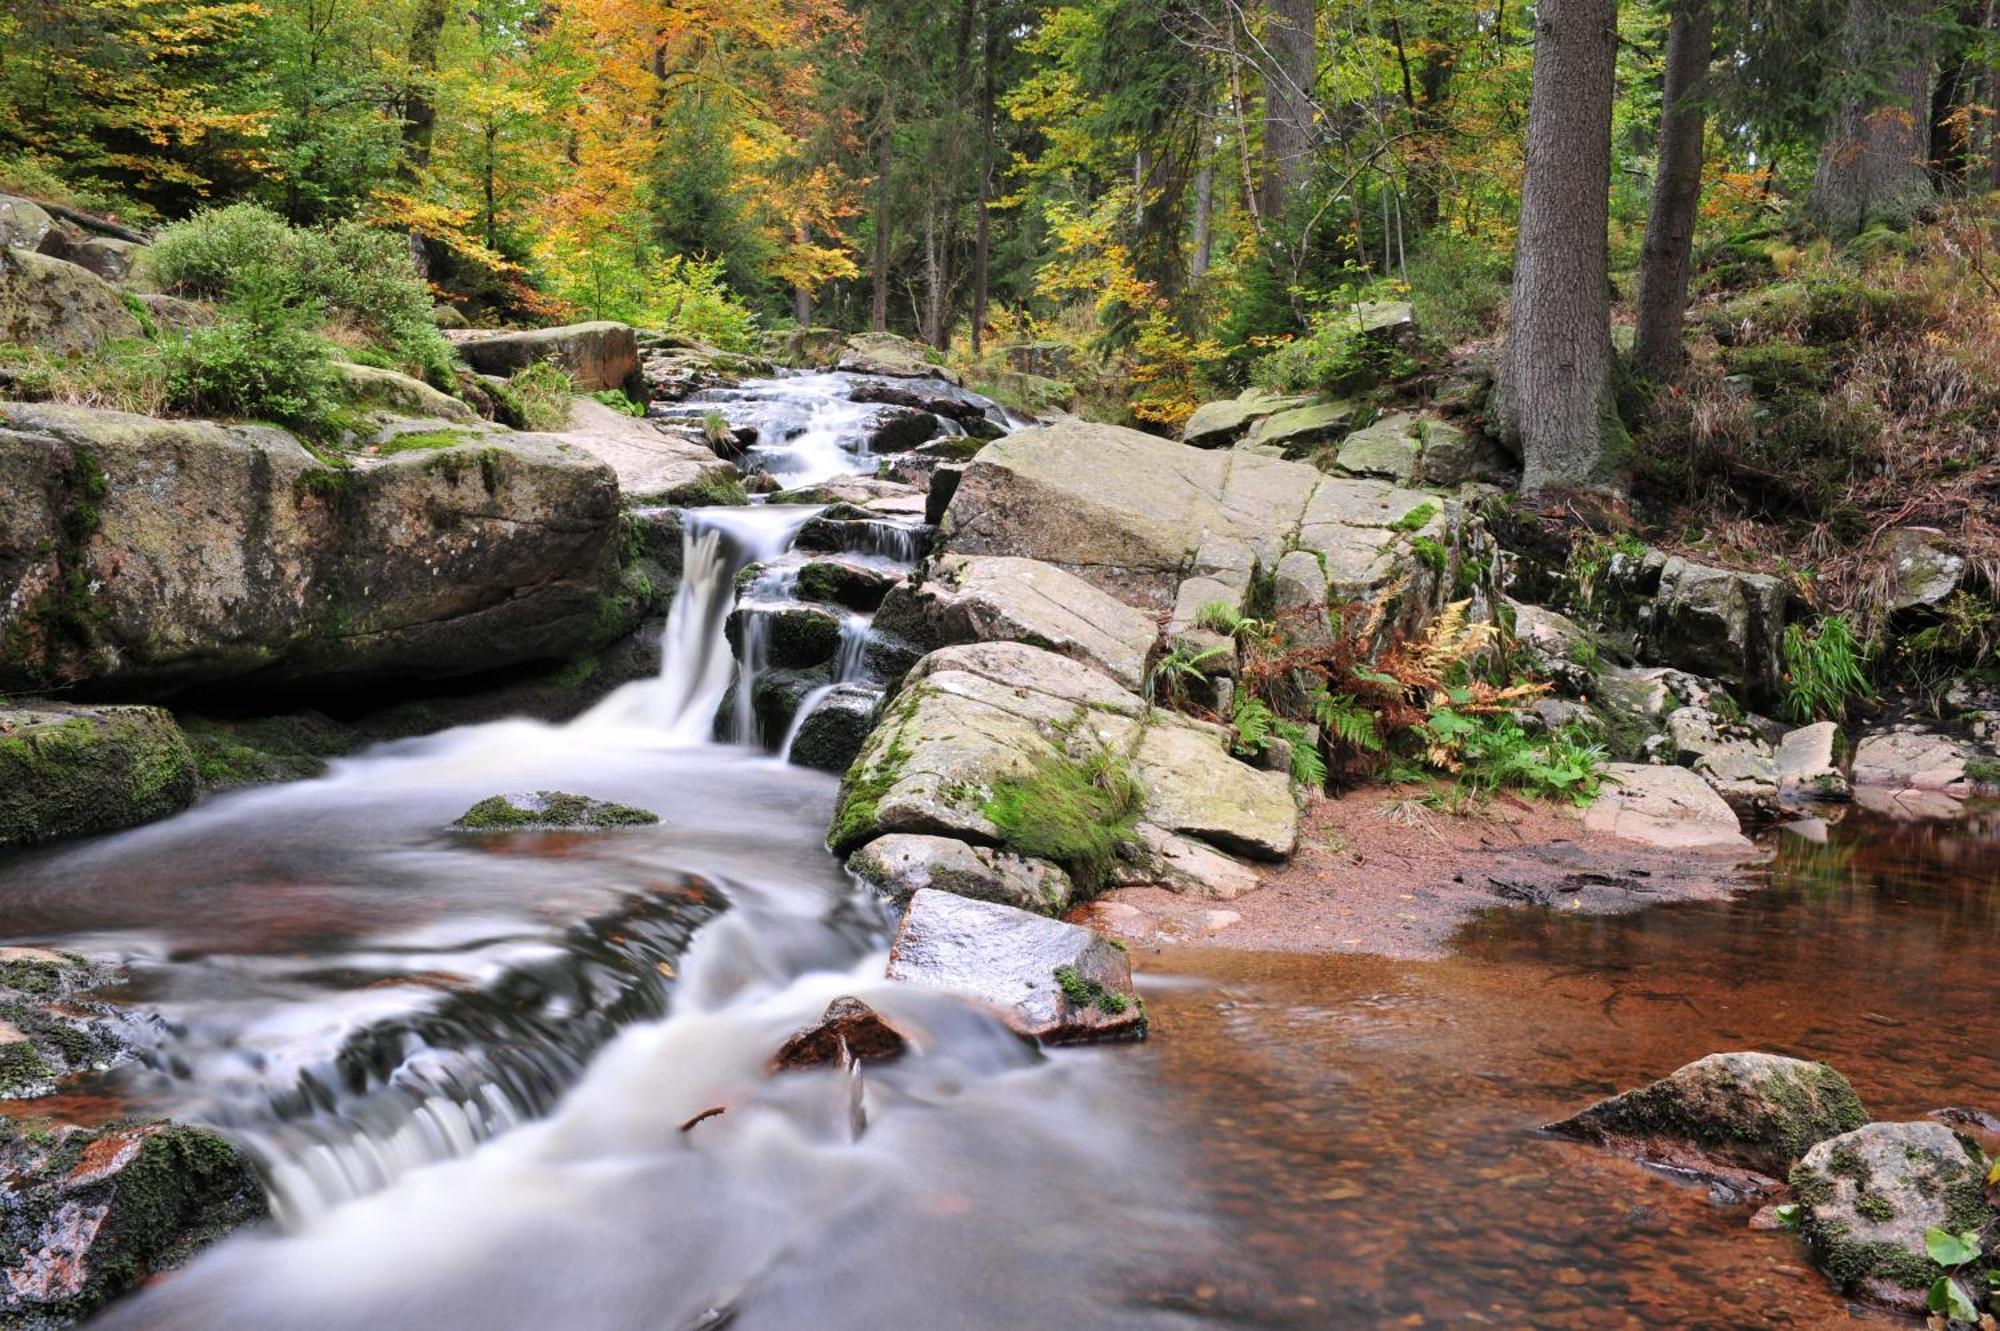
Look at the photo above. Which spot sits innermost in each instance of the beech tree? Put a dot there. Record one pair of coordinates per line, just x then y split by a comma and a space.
1669, 249
1554, 397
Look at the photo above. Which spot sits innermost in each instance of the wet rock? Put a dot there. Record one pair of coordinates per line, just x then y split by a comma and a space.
1869, 1196
544, 809
814, 348
1923, 573
902, 865
597, 355
1159, 858
849, 1030
892, 357
1300, 431
126, 561
1910, 760
90, 1213
1731, 757
895, 429
1669, 807
1050, 981
1220, 424
1747, 1111
848, 529
936, 396
49, 1028
69, 770
856, 586
1809, 764
58, 307
999, 599
832, 733
796, 637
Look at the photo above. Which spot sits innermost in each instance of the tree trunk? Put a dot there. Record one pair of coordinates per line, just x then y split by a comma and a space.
982, 251
1290, 67
802, 296
1663, 268
1554, 399
1204, 218
419, 108
1873, 164
885, 151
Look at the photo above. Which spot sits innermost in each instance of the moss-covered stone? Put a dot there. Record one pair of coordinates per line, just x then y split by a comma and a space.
550, 809
68, 771
1759, 1112
249, 751
855, 586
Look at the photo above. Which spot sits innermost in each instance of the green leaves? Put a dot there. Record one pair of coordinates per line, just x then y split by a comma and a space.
1948, 1297
1951, 1250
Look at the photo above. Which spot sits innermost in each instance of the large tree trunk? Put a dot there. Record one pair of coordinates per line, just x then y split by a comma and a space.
1554, 398
1873, 165
982, 250
1663, 269
1290, 69
885, 156
419, 106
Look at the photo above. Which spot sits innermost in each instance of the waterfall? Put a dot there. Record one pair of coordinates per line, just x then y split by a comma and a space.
696, 664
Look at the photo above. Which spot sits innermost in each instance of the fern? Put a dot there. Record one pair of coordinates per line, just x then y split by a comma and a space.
1184, 664
1308, 768
1253, 722
1348, 722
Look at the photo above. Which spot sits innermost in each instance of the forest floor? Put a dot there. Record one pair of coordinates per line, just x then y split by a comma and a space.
1380, 872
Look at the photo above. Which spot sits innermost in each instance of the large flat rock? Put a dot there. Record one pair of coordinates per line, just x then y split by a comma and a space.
597, 355
653, 463
1669, 807
150, 555
1050, 981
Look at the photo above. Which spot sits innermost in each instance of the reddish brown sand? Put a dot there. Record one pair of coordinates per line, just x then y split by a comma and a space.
1378, 872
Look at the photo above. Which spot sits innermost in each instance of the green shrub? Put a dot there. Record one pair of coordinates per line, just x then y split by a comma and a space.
690, 297
355, 274
1332, 357
1779, 367
1825, 671
259, 360
540, 395
1458, 288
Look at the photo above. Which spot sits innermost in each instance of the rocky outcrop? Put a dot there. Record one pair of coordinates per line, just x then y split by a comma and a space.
1923, 573
1715, 622
146, 555
654, 463
24, 224
68, 770
597, 355
970, 718
1669, 807
1910, 760
901, 865
995, 598
109, 257
1050, 981
1301, 431
1159, 525
1730, 755
400, 395
89, 1213
59, 307
1738, 1111
1868, 1197
890, 356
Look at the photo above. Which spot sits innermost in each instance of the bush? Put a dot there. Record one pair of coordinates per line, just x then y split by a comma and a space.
353, 273
1332, 357
260, 360
1458, 287
690, 298
540, 395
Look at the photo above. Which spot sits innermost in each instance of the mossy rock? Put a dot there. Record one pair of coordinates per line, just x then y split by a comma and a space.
796, 637
120, 1203
549, 809
67, 770
1759, 1112
254, 750
856, 586
1776, 368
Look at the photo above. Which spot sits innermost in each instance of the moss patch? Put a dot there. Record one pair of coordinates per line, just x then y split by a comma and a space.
550, 809
1070, 812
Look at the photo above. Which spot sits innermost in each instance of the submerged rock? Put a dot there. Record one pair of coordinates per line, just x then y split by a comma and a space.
550, 809
1747, 1111
69, 770
1868, 1197
1669, 807
901, 865
1053, 982
849, 1030
90, 1213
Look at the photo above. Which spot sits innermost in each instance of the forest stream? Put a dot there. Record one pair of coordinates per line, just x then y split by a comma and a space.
478, 1071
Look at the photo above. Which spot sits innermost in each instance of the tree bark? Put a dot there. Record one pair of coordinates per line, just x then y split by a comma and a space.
1554, 398
982, 250
419, 106
1664, 265
1873, 163
1290, 67
885, 153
